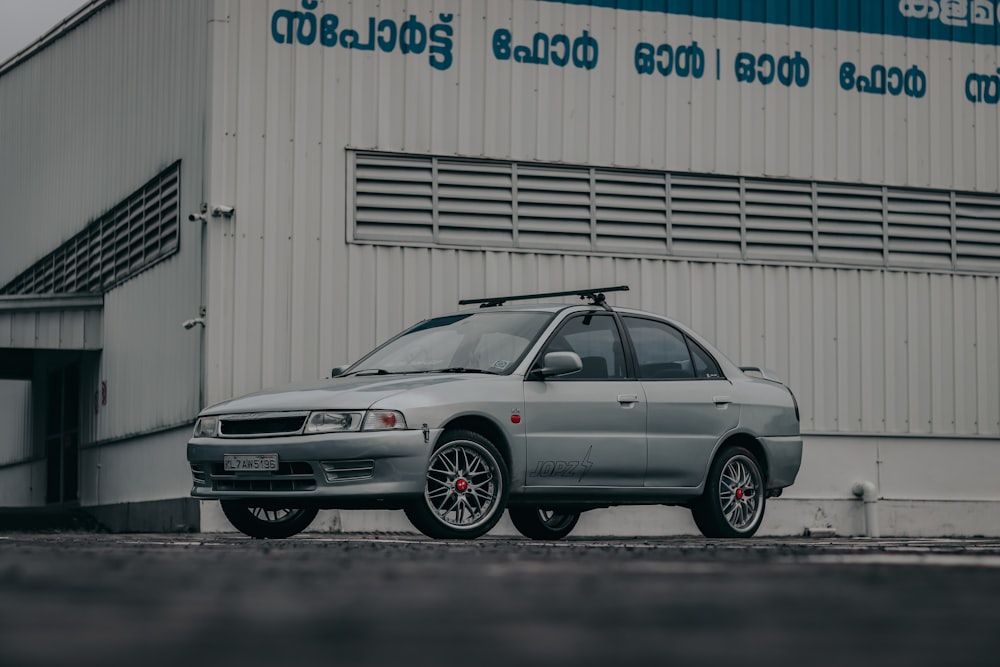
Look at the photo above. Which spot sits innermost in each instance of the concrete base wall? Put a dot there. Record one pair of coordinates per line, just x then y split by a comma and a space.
178, 515
140, 469
23, 485
784, 517
925, 487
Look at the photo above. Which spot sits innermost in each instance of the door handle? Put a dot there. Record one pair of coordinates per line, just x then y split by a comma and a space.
627, 398
722, 400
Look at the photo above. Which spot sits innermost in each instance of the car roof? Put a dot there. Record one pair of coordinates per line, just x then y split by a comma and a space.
525, 307
559, 307
556, 308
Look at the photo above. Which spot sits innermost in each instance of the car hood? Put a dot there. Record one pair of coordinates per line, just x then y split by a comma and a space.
350, 393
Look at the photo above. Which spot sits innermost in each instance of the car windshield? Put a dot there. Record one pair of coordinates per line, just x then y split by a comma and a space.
475, 342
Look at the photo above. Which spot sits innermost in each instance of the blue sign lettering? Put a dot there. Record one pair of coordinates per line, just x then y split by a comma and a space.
983, 88
410, 36
882, 81
545, 49
788, 70
684, 61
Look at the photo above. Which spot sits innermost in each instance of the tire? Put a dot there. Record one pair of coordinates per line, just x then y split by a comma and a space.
465, 488
734, 498
540, 524
267, 523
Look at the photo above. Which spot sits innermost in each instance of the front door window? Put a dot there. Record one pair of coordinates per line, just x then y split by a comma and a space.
587, 428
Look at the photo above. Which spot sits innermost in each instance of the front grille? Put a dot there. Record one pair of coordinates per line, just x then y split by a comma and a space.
339, 471
290, 476
262, 425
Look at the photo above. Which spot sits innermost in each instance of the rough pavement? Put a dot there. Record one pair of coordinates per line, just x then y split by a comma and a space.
87, 599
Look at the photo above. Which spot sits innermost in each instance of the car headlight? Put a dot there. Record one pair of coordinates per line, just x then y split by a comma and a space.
206, 427
384, 420
332, 422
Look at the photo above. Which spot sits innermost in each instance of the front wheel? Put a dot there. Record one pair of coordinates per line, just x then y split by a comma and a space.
465, 488
733, 502
540, 524
267, 522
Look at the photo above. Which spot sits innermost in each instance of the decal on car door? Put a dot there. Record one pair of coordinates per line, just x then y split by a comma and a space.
564, 468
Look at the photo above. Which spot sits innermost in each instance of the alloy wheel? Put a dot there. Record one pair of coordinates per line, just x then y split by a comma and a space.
463, 485
739, 493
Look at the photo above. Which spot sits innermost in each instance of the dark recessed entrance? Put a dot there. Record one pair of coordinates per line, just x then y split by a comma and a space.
62, 434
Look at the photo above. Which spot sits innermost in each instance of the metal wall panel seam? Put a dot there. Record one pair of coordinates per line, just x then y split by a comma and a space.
251, 64
987, 325
964, 373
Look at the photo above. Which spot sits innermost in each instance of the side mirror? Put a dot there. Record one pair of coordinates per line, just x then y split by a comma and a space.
559, 363
337, 370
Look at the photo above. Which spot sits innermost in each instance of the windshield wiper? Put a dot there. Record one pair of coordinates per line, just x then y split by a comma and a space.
368, 371
459, 369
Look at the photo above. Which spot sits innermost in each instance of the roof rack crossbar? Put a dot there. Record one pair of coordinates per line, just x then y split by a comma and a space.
595, 294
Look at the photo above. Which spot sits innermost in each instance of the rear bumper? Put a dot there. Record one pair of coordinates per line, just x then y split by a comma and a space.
784, 457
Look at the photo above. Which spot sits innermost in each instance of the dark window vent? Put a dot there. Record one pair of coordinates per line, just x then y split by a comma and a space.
472, 202
137, 233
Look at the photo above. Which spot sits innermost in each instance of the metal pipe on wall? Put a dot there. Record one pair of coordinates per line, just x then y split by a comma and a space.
868, 494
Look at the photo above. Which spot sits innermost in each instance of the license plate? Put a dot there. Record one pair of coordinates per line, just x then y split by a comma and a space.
250, 462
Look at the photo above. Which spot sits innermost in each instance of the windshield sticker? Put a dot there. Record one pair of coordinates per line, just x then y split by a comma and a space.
500, 364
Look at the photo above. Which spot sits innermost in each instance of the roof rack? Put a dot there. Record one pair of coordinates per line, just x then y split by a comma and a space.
596, 296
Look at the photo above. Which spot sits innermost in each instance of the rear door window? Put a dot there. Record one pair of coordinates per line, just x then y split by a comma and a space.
661, 350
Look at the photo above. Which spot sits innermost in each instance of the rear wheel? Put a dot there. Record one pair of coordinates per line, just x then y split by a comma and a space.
733, 502
542, 524
267, 522
465, 488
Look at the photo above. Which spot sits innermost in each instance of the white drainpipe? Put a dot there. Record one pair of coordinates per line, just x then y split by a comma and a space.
867, 492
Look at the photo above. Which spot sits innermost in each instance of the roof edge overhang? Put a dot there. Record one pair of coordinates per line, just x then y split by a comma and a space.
52, 322
73, 301
65, 26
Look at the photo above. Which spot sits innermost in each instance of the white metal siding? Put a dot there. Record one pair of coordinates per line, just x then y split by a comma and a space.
128, 87
67, 323
151, 467
150, 364
612, 115
87, 121
15, 422
867, 350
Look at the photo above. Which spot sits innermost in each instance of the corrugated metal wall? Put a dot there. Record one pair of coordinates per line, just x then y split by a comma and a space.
87, 121
15, 421
128, 87
865, 351
868, 351
481, 104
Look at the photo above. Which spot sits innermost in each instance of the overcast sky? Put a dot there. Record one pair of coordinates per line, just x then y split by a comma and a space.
24, 21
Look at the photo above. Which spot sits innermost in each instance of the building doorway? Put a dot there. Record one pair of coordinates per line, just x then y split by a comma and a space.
62, 434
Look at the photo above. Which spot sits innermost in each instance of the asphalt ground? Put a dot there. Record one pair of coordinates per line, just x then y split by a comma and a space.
326, 599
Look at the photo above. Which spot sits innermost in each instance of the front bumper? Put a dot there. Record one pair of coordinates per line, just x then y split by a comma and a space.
329, 470
784, 457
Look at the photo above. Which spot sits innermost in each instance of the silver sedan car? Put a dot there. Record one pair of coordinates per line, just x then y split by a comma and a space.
545, 411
